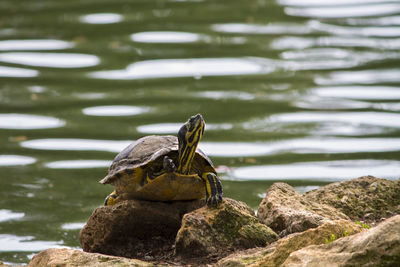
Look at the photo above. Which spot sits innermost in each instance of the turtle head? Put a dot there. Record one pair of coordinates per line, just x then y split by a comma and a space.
189, 136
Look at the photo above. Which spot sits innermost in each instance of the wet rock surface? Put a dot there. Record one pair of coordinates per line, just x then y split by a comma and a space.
286, 211
220, 230
367, 198
378, 246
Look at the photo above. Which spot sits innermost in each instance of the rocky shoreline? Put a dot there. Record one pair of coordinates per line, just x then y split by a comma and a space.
351, 223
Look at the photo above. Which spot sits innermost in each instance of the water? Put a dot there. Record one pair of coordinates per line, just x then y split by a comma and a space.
305, 92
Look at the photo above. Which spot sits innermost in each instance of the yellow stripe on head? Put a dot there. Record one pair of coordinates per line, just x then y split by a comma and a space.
189, 136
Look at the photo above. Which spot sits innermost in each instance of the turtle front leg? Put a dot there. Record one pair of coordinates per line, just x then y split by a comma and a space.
213, 188
168, 164
111, 199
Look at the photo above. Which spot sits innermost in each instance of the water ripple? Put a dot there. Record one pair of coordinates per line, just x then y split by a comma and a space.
51, 60
344, 11
73, 226
78, 164
271, 28
101, 18
329, 171
358, 92
195, 67
328, 2
28, 121
236, 149
114, 110
226, 95
45, 44
315, 102
17, 72
15, 243
76, 144
172, 128
165, 37
15, 160
293, 42
356, 31
370, 76
6, 215
383, 119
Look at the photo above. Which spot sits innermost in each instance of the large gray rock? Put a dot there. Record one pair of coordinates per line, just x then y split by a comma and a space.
367, 198
285, 211
135, 228
276, 253
215, 232
378, 246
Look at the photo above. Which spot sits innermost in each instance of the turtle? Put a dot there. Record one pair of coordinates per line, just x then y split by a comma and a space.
165, 168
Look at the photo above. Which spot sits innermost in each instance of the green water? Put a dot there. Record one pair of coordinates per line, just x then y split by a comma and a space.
291, 91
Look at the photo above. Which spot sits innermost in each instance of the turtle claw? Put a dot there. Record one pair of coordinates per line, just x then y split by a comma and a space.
214, 200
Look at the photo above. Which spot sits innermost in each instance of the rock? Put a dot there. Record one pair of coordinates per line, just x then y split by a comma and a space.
136, 228
214, 232
378, 246
286, 211
276, 253
72, 258
364, 199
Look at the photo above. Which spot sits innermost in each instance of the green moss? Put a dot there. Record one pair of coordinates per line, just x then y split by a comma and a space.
104, 259
242, 230
330, 239
229, 222
363, 225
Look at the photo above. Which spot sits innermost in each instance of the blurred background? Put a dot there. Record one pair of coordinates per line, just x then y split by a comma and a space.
301, 91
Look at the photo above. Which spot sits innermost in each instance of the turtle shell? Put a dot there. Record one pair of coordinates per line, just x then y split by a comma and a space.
146, 152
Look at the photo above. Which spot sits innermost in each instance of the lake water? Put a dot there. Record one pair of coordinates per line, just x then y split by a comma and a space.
306, 92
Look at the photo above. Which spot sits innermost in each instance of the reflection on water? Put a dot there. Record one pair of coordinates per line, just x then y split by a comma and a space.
359, 92
270, 28
73, 226
383, 119
344, 11
6, 215
360, 77
34, 45
235, 149
101, 18
226, 95
17, 72
197, 68
25, 243
331, 170
15, 160
78, 164
172, 128
165, 37
357, 31
335, 41
27, 121
114, 110
51, 60
76, 144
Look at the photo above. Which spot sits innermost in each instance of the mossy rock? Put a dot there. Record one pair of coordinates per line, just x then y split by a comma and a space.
367, 198
220, 230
